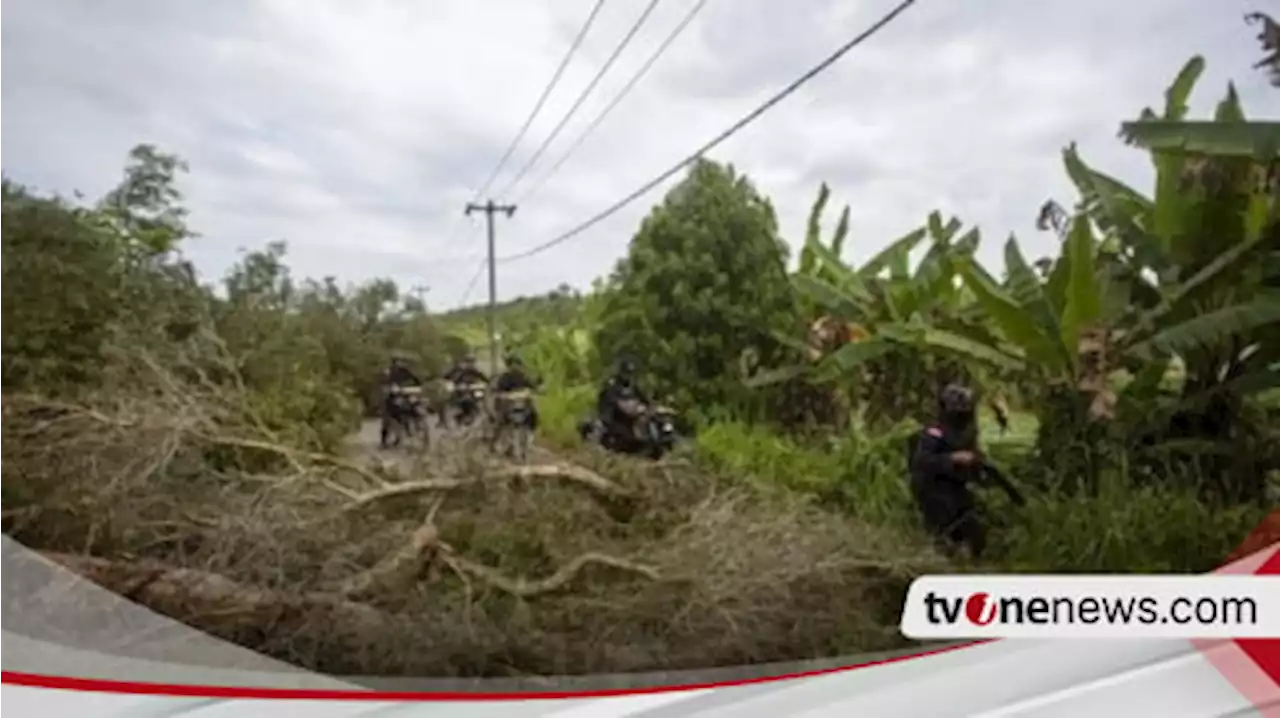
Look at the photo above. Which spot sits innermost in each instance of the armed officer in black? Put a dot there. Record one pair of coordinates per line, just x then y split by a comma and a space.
618, 388
944, 463
516, 378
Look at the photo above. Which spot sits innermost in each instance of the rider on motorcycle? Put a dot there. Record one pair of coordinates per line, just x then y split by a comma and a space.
466, 372
463, 375
516, 378
397, 374
619, 388
945, 461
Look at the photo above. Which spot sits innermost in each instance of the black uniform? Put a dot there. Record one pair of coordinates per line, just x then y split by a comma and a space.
396, 375
941, 489
401, 375
617, 389
515, 379
461, 375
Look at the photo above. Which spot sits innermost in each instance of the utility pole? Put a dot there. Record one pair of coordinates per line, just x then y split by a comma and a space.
420, 291
489, 208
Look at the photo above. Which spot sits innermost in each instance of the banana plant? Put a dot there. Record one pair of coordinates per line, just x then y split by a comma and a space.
1200, 256
891, 306
1054, 328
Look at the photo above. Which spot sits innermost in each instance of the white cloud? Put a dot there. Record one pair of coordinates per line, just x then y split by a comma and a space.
357, 131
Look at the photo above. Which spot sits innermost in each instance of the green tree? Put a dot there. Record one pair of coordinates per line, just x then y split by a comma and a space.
73, 274
146, 207
62, 286
704, 282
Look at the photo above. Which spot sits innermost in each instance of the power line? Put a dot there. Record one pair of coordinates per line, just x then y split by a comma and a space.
475, 278
555, 80
752, 116
471, 283
635, 79
537, 107
581, 98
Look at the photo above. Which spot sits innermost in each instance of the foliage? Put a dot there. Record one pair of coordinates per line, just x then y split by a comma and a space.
1143, 352
913, 322
1194, 270
74, 275
1269, 38
704, 281
1141, 355
81, 281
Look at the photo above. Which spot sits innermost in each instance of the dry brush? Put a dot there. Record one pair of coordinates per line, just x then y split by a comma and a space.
177, 498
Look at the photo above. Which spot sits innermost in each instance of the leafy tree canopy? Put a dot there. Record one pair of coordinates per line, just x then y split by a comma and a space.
705, 280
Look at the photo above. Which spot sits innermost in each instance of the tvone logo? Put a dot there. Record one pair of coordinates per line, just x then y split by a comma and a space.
980, 608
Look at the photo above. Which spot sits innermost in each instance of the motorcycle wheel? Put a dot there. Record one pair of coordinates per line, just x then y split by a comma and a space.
392, 433
422, 429
521, 441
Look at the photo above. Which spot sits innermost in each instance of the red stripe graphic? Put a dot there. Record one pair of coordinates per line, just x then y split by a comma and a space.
1253, 669
102, 685
1252, 666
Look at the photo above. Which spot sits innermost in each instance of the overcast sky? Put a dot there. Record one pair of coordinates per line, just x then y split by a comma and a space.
357, 130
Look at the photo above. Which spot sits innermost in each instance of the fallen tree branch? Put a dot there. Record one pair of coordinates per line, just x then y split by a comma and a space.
527, 588
30, 403
567, 472
407, 488
397, 569
403, 566
293, 455
215, 603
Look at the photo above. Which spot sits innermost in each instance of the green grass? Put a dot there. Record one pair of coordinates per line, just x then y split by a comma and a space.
862, 476
1124, 529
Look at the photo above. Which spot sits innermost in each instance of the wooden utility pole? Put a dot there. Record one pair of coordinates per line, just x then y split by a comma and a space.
489, 208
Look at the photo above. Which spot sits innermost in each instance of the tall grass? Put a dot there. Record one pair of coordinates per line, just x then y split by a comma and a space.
1126, 527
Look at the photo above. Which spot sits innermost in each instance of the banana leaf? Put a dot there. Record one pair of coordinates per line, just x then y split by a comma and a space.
1016, 325
894, 255
826, 295
1211, 329
1256, 140
779, 375
1083, 305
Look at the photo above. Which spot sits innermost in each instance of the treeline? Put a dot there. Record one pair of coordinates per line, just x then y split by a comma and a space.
84, 283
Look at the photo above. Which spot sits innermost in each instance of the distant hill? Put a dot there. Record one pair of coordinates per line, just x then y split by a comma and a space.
555, 308
518, 317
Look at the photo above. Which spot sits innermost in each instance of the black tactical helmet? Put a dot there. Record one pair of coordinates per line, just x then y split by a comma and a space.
627, 366
956, 400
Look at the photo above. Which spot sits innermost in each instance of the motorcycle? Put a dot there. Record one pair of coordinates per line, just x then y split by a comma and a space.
407, 417
653, 430
515, 424
468, 402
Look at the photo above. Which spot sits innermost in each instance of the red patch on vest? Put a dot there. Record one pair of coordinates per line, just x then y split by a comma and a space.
934, 431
